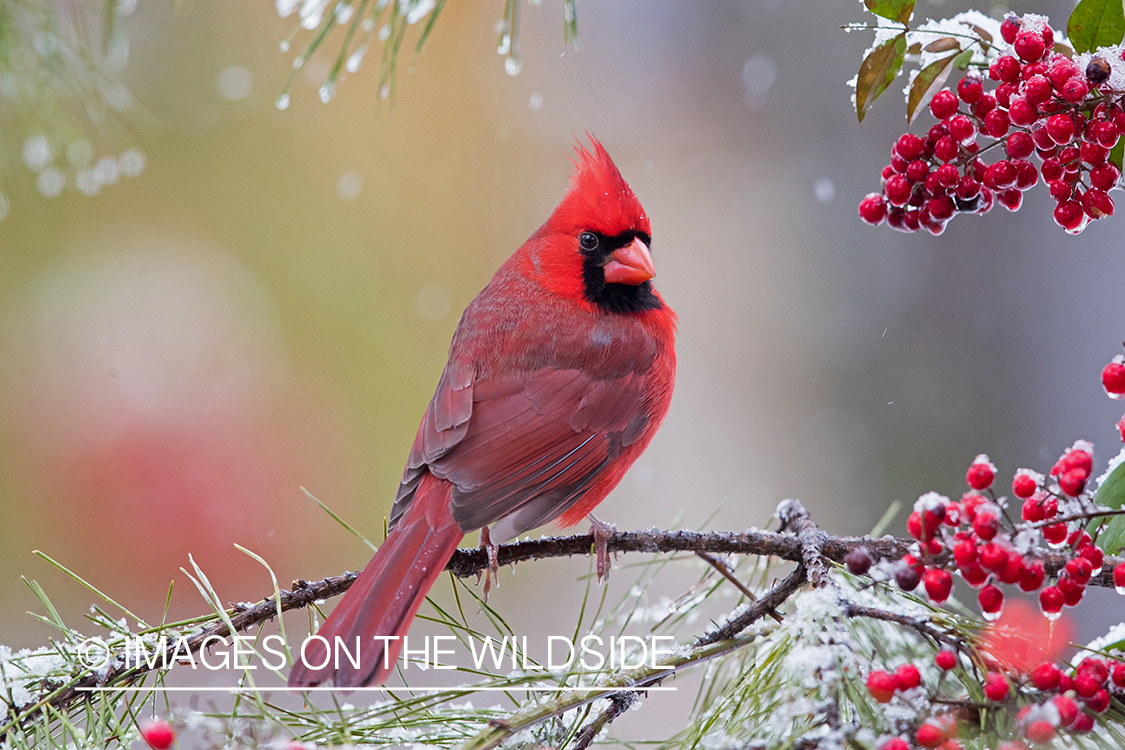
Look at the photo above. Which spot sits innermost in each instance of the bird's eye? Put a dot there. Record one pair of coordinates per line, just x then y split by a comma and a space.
588, 241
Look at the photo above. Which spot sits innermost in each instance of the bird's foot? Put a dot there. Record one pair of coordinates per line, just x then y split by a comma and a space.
492, 573
602, 532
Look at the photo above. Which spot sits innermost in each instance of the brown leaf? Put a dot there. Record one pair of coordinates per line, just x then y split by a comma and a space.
877, 71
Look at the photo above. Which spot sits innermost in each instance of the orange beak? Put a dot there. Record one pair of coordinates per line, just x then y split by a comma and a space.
631, 265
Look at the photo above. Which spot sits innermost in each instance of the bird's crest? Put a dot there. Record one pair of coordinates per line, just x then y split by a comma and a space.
599, 198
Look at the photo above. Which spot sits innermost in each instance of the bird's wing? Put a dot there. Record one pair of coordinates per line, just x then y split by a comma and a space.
527, 450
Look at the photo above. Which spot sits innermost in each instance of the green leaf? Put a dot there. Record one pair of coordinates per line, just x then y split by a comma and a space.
877, 71
895, 10
927, 83
1111, 494
1096, 23
962, 60
1116, 154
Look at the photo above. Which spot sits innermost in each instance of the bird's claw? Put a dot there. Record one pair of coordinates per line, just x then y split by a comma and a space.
602, 533
492, 573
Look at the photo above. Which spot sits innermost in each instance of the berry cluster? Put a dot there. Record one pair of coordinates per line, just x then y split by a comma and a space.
989, 549
978, 537
1053, 700
1044, 106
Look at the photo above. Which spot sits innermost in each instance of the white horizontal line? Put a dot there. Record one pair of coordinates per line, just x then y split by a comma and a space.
321, 689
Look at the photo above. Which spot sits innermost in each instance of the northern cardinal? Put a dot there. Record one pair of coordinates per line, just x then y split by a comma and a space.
559, 373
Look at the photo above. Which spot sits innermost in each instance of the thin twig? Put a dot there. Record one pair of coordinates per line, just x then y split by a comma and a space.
727, 573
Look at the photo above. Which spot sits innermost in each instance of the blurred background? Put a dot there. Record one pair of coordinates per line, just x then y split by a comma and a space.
267, 304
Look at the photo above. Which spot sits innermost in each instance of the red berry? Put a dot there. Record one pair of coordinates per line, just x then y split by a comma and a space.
1098, 702
946, 149
1020, 145
962, 130
1031, 511
1040, 731
895, 743
986, 524
1060, 128
941, 207
965, 553
1104, 177
1045, 677
1072, 482
1062, 190
992, 556
1097, 204
1024, 485
1060, 71
897, 190
881, 685
1105, 133
1021, 111
1006, 69
946, 660
1072, 591
974, 574
1119, 578
995, 686
929, 735
1051, 600
1086, 685
1093, 154
947, 175
1010, 28
873, 209
1010, 199
1032, 576
1069, 215
1079, 569
996, 123
1037, 89
908, 677
1094, 554
1055, 533
991, 601
158, 733
938, 584
909, 146
917, 170
1068, 710
1000, 176
1074, 90
1029, 46
1051, 169
1119, 674
1084, 723
943, 104
970, 90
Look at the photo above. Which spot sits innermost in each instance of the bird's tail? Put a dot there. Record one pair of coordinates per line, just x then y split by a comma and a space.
362, 637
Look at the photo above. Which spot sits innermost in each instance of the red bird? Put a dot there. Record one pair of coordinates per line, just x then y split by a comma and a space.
559, 374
